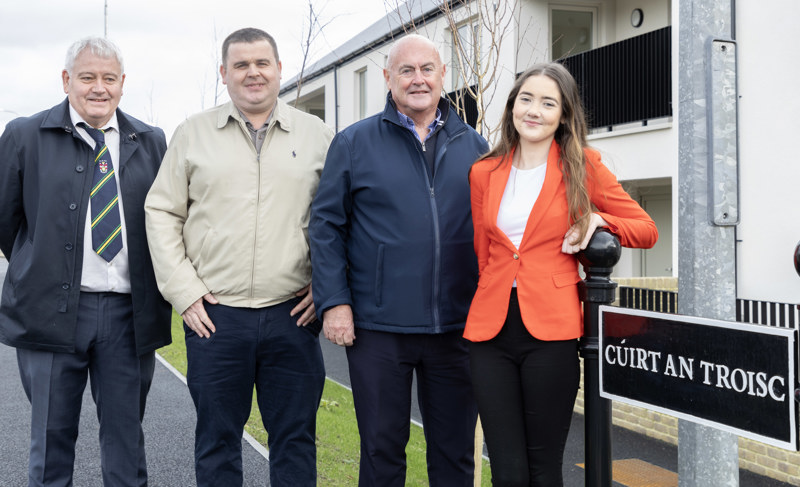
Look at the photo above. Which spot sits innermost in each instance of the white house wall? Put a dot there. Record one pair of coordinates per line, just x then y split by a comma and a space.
373, 62
769, 173
533, 34
643, 154
656, 15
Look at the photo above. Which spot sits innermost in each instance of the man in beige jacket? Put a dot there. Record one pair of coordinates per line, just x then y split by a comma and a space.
227, 221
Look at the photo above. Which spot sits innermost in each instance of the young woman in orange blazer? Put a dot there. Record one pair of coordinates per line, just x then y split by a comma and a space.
537, 197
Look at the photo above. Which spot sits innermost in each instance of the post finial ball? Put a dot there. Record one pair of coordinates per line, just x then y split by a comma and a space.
604, 250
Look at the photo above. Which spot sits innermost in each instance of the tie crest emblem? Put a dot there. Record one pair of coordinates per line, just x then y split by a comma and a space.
103, 166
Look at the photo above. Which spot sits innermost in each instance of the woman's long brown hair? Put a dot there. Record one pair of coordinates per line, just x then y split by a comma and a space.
570, 135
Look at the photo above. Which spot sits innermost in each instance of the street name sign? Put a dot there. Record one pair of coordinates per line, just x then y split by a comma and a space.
732, 376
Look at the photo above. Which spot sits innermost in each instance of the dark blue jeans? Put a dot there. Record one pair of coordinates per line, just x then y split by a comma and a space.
381, 370
262, 347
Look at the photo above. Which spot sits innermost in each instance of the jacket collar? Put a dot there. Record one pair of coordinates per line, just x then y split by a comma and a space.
58, 117
280, 116
452, 123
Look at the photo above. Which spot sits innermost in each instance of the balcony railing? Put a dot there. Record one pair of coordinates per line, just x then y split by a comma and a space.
784, 315
627, 81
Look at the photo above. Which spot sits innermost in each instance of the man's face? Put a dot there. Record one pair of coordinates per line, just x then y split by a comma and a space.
94, 87
253, 76
415, 78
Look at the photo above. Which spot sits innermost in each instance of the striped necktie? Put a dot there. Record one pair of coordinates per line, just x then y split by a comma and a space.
106, 223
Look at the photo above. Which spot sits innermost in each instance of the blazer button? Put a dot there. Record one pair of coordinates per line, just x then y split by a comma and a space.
516, 256
73, 206
68, 246
79, 168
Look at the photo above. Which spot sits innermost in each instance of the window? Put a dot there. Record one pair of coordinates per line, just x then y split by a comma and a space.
361, 95
571, 31
465, 53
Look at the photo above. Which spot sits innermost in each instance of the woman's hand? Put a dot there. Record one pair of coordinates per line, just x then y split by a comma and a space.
571, 245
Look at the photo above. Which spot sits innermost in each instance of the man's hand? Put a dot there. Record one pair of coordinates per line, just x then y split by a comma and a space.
306, 306
337, 324
196, 318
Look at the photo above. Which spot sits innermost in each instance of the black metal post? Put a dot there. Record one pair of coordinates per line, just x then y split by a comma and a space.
797, 258
797, 269
598, 261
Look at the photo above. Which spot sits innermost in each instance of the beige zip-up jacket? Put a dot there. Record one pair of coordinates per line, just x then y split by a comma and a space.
224, 220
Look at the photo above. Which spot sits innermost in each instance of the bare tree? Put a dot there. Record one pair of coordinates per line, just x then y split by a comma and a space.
313, 26
150, 113
217, 62
476, 55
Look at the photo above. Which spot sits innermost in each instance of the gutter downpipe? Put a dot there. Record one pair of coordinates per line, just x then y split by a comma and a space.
336, 98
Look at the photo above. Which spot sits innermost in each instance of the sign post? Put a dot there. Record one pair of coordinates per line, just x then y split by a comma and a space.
598, 261
708, 207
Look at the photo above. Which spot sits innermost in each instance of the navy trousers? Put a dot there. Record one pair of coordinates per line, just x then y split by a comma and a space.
381, 369
262, 347
105, 350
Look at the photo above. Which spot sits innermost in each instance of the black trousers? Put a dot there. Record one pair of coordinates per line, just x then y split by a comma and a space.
525, 389
381, 369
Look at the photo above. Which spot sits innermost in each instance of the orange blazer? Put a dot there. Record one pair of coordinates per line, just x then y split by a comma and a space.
547, 279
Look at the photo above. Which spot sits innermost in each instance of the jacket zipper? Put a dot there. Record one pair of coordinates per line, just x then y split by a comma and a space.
255, 224
437, 255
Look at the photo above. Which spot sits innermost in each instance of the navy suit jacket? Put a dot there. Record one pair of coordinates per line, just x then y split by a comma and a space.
45, 175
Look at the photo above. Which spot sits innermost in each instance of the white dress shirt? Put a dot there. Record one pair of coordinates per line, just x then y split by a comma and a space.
97, 274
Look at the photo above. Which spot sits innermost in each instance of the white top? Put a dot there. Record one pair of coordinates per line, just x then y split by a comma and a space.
522, 190
97, 274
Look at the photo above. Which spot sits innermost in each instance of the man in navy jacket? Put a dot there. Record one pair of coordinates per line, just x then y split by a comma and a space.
394, 269
70, 307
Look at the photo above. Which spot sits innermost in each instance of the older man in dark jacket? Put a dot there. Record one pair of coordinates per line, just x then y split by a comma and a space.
80, 296
394, 269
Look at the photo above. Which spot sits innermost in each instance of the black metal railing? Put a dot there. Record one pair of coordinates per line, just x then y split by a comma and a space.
465, 104
627, 81
648, 299
784, 315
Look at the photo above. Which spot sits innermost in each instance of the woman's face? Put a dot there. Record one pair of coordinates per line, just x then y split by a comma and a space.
537, 110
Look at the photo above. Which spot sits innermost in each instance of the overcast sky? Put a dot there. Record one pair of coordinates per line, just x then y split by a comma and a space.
168, 46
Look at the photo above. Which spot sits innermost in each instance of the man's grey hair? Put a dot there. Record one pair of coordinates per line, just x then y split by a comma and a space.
99, 46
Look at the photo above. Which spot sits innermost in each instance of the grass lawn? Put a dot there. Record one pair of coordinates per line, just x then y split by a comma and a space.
337, 433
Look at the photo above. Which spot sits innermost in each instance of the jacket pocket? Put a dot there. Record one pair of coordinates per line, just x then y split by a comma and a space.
20, 263
484, 280
563, 279
379, 275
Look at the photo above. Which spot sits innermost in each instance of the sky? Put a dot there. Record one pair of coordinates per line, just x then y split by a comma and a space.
170, 47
